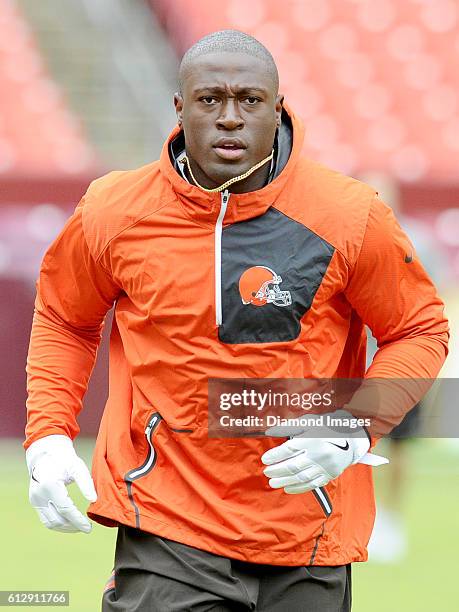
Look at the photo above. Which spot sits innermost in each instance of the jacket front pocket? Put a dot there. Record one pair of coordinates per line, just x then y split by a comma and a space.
147, 465
324, 500
322, 497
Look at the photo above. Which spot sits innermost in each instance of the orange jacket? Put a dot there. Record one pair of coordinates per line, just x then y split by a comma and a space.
151, 243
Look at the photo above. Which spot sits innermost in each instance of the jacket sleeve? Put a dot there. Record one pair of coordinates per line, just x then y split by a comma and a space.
74, 293
392, 293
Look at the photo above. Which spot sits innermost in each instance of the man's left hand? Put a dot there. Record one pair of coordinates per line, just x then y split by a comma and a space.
302, 463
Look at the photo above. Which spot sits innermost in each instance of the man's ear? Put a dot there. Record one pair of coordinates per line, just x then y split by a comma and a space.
178, 103
279, 104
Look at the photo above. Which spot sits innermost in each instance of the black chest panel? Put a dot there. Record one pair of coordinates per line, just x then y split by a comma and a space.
272, 267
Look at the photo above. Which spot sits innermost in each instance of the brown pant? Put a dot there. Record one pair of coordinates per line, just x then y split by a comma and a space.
153, 574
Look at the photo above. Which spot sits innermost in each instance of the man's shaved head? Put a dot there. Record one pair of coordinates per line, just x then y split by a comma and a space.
229, 41
229, 109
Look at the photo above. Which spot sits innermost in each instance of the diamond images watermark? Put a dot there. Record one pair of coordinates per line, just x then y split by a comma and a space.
248, 407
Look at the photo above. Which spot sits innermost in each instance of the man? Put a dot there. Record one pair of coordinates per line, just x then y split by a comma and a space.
179, 246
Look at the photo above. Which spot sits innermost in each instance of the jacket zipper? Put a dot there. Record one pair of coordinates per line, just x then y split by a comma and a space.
322, 497
218, 257
324, 500
146, 466
148, 463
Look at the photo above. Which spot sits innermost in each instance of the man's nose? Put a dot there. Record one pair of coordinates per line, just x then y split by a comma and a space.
230, 116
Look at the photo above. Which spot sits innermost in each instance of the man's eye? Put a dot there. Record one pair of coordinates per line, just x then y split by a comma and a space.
252, 100
208, 100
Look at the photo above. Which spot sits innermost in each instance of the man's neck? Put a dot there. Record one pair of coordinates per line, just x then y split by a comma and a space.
256, 180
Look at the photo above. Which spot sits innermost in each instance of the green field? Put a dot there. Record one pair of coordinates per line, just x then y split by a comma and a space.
35, 558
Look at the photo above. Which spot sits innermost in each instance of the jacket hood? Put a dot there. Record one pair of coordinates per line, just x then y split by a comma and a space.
204, 207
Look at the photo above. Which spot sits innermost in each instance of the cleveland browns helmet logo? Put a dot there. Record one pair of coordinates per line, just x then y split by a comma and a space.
259, 285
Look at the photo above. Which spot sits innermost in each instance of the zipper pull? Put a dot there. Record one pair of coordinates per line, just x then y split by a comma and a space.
225, 197
151, 422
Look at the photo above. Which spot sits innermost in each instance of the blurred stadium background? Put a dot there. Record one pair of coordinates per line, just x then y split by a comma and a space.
86, 87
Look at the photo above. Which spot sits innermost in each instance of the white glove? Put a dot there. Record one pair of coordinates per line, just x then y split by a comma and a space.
302, 464
53, 463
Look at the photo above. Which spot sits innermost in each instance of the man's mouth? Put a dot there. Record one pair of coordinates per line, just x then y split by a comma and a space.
230, 148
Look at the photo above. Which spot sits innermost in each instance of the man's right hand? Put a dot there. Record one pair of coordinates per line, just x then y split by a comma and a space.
53, 463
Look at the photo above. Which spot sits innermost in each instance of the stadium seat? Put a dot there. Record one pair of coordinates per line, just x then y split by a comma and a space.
380, 78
